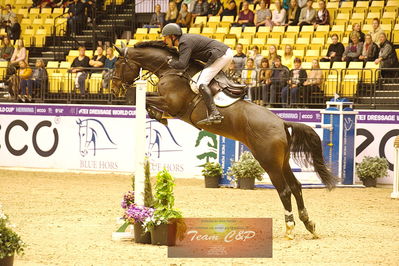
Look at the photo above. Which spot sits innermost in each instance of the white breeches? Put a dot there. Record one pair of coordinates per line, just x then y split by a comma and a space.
208, 73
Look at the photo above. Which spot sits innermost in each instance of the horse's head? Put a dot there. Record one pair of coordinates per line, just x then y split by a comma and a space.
84, 139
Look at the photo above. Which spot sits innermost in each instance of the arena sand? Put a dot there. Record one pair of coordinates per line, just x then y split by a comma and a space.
67, 219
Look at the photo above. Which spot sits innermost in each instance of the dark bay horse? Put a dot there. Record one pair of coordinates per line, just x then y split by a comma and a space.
269, 138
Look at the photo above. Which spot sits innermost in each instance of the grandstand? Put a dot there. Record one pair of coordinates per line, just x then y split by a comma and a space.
44, 33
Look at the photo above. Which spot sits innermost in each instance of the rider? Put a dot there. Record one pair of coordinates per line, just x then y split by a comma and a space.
216, 55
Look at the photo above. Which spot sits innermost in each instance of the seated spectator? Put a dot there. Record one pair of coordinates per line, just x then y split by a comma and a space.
45, 3
353, 50
288, 58
215, 8
297, 78
109, 64
239, 58
245, 17
18, 55
14, 30
6, 18
76, 17
25, 73
201, 8
370, 50
157, 19
248, 77
172, 13
322, 16
6, 50
263, 15
376, 32
308, 14
264, 81
79, 66
254, 53
313, 82
356, 28
39, 78
231, 10
335, 51
98, 60
387, 57
278, 79
279, 14
184, 18
233, 73
293, 14
272, 53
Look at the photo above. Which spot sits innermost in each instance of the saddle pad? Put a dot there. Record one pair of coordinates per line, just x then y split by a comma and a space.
223, 100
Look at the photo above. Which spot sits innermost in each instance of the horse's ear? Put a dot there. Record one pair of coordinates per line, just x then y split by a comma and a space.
123, 44
118, 50
79, 121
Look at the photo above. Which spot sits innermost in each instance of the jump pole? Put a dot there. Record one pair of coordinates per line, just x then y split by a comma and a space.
395, 192
140, 143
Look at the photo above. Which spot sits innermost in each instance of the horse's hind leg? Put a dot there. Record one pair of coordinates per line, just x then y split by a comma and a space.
296, 189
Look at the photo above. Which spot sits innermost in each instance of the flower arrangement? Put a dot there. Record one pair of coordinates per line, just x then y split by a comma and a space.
128, 199
213, 169
246, 167
10, 242
138, 214
372, 167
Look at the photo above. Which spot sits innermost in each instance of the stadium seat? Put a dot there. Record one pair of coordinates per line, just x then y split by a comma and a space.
237, 31
369, 72
277, 32
154, 34
286, 41
263, 32
301, 43
221, 32
27, 37
299, 53
64, 67
265, 53
354, 68
376, 6
361, 6
3, 68
292, 32
357, 18
24, 12
45, 13
34, 12
342, 18
249, 32
230, 42
325, 65
317, 44
52, 67
348, 85
246, 42
371, 16
95, 82
213, 21
40, 37
395, 34
260, 42
55, 80
200, 20
330, 85
312, 54
392, 6
306, 31
208, 32
141, 33
306, 65
226, 21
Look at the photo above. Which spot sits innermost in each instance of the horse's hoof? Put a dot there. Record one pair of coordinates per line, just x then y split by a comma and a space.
311, 227
289, 232
163, 121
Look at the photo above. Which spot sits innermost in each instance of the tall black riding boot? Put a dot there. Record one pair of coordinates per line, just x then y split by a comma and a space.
157, 115
214, 117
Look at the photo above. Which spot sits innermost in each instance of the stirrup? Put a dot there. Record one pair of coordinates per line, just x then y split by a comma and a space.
211, 119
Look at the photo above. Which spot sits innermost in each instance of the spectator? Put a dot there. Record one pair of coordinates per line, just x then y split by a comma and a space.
24, 73
98, 60
79, 66
248, 77
387, 57
377, 31
313, 82
264, 76
6, 50
272, 53
297, 78
293, 14
215, 8
278, 79
263, 15
335, 51
256, 56
201, 8
308, 14
179, 3
323, 16
370, 50
14, 30
286, 4
239, 58
6, 18
356, 28
302, 3
185, 17
109, 66
76, 16
39, 77
231, 10
157, 19
245, 17
172, 13
279, 14
19, 53
288, 58
353, 50
233, 73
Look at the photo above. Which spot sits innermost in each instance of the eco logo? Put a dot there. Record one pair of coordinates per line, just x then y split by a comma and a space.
154, 137
93, 136
212, 145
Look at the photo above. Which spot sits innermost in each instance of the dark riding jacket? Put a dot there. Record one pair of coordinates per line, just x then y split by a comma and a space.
193, 46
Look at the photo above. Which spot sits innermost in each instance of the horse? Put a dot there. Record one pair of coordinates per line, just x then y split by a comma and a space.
268, 137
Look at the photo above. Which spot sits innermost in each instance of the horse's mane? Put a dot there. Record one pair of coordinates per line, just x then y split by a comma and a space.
156, 44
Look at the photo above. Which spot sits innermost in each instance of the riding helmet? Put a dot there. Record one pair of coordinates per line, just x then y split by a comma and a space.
171, 29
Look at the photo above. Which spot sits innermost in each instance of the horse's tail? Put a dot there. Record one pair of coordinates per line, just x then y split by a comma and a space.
307, 150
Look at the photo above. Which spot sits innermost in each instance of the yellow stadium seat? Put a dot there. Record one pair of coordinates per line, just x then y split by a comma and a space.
392, 6
285, 41
95, 85
306, 65
48, 25
36, 23
330, 85
347, 5
154, 34
338, 29
339, 66
387, 28
325, 65
237, 31
245, 42
249, 32
273, 41
342, 18
317, 44
371, 16
141, 33
298, 53
349, 85
357, 18
306, 31
61, 24
259, 42
301, 43
354, 68
52, 67
226, 21
64, 67
292, 32
24, 12
40, 37
34, 12
45, 12
312, 54
277, 32
27, 36
221, 32
57, 12
376, 6
132, 42
265, 53
200, 20
263, 32
213, 21
3, 69
367, 28
55, 81
395, 34
332, 8
361, 6
230, 42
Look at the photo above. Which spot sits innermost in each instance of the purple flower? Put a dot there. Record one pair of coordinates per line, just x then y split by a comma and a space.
137, 214
128, 199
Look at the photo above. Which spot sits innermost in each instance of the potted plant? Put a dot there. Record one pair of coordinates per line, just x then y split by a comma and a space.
212, 172
165, 224
245, 170
10, 242
371, 168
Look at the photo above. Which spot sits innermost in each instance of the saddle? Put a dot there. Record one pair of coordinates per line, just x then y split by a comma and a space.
222, 83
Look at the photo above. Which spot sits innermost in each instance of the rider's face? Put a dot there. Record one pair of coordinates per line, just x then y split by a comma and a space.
168, 41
